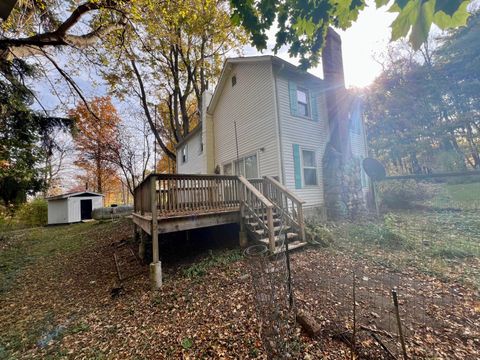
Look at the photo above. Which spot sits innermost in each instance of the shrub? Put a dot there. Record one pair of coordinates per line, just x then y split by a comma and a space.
318, 234
402, 194
382, 235
33, 213
214, 259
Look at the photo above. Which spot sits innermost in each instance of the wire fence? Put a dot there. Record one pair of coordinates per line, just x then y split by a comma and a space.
425, 247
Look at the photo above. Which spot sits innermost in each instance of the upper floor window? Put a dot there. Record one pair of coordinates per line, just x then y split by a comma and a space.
303, 104
303, 101
185, 154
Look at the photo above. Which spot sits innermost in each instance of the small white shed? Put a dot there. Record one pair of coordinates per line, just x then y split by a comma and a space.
73, 207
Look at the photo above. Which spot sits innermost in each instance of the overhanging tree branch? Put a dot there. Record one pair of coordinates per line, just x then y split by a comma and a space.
143, 98
34, 45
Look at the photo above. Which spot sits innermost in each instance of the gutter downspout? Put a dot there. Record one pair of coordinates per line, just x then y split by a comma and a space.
278, 126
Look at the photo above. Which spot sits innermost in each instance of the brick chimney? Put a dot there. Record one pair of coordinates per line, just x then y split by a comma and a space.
337, 152
337, 98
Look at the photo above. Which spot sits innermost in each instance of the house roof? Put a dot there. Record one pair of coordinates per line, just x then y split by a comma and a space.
74, 194
189, 136
227, 67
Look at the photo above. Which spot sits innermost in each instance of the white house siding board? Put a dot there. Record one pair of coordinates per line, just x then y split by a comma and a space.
251, 104
308, 134
359, 149
58, 211
195, 161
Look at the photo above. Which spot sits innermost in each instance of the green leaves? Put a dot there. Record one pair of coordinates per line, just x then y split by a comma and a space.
187, 343
459, 18
421, 27
417, 16
406, 17
303, 24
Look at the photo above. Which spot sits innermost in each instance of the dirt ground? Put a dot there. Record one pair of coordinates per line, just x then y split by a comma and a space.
69, 305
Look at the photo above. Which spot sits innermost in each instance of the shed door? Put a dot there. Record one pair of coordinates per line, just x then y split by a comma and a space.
86, 209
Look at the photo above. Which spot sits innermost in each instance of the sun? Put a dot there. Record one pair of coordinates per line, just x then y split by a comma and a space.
368, 36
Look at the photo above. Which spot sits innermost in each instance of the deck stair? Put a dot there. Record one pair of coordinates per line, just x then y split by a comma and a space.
269, 211
265, 209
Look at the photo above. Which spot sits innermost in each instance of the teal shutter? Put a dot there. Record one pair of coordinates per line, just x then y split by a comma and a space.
292, 90
297, 166
314, 106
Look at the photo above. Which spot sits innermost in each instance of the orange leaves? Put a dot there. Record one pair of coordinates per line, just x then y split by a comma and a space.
96, 139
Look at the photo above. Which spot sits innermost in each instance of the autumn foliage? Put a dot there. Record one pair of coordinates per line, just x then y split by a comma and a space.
95, 141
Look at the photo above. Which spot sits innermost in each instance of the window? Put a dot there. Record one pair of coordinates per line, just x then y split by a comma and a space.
251, 168
234, 80
302, 102
200, 150
247, 166
309, 165
240, 167
227, 169
184, 154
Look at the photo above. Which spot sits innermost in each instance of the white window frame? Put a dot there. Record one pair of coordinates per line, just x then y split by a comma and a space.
302, 149
307, 96
184, 153
232, 163
231, 168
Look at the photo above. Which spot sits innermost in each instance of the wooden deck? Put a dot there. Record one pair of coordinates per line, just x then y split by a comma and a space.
188, 220
165, 203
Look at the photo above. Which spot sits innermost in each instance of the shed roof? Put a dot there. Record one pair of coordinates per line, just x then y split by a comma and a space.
74, 194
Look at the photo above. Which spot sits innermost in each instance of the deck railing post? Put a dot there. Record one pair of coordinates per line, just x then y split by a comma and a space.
155, 266
271, 231
301, 221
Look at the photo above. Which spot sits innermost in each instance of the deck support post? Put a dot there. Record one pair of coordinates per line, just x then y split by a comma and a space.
136, 235
156, 275
142, 246
156, 265
242, 236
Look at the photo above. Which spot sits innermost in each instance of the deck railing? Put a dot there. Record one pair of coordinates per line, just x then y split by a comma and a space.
257, 207
177, 194
289, 205
167, 195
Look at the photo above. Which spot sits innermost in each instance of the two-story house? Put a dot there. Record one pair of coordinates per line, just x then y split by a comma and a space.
267, 117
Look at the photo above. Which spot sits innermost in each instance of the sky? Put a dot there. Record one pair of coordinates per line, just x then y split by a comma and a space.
368, 37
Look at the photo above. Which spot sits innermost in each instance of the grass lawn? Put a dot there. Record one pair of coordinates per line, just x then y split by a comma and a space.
27, 247
58, 301
441, 238
464, 192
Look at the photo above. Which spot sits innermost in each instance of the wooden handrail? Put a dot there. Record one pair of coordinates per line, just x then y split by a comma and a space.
255, 192
285, 190
294, 215
253, 201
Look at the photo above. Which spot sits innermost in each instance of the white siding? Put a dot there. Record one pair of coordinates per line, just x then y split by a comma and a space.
74, 214
251, 104
359, 150
74, 209
308, 134
195, 163
58, 211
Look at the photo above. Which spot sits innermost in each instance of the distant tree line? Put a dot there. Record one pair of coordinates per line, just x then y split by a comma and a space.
423, 111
